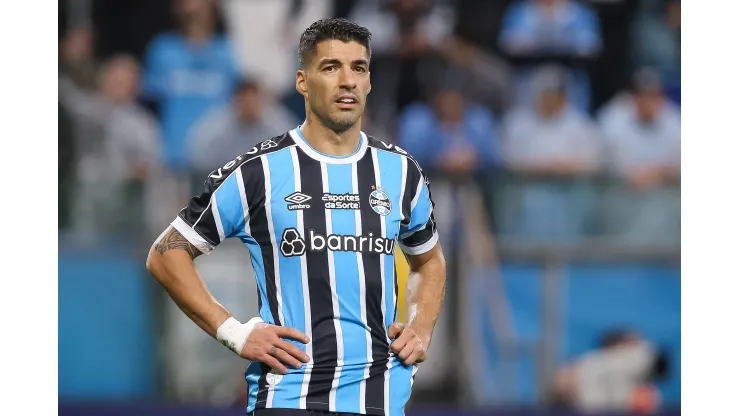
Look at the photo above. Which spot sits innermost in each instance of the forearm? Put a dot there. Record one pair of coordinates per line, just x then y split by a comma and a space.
171, 263
425, 291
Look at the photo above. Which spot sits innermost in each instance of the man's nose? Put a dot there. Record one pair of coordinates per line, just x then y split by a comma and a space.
347, 79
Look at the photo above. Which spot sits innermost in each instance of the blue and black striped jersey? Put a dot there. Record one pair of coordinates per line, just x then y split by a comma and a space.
321, 232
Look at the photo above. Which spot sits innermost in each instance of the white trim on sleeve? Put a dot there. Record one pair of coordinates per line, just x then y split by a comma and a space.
192, 236
416, 250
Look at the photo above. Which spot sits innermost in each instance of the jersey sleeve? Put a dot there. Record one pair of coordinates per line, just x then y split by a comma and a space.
219, 212
418, 233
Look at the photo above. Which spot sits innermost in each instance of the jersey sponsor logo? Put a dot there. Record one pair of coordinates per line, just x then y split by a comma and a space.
219, 173
294, 245
380, 202
391, 146
341, 201
296, 200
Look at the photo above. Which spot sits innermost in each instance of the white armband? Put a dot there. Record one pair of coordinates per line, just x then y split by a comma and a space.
233, 334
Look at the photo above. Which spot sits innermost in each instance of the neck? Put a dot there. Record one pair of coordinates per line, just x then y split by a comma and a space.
328, 141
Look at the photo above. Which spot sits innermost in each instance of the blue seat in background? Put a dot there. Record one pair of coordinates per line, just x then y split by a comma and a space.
107, 338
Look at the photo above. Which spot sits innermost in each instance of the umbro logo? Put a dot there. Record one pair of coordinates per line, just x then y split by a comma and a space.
296, 201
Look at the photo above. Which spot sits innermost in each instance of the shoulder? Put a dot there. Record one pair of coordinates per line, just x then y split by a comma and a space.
223, 45
479, 115
517, 116
617, 110
251, 158
164, 40
380, 145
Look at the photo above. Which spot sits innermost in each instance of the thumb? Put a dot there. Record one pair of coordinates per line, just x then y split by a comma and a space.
395, 330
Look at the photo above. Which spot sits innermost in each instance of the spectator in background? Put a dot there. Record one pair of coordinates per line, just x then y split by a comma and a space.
450, 136
642, 133
119, 140
406, 37
656, 41
551, 31
187, 74
234, 129
551, 139
76, 58
642, 141
617, 376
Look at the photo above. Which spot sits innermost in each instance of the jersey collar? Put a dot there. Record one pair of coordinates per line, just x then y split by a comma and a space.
322, 157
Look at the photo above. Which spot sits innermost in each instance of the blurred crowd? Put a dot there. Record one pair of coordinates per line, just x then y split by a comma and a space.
563, 114
153, 95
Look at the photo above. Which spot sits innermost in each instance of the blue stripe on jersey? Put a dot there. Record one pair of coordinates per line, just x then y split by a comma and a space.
348, 293
282, 179
399, 387
390, 166
399, 383
253, 375
230, 209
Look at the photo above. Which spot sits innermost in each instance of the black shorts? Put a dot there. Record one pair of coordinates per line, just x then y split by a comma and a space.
297, 412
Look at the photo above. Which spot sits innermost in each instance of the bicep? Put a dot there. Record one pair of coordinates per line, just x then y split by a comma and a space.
417, 261
172, 239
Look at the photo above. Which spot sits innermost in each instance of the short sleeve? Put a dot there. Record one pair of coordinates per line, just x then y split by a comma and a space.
219, 212
418, 231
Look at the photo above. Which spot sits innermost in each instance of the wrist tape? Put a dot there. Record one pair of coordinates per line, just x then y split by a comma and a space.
233, 334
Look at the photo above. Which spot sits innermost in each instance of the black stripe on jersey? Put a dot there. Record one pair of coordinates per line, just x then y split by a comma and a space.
374, 388
422, 236
198, 213
323, 334
255, 192
262, 388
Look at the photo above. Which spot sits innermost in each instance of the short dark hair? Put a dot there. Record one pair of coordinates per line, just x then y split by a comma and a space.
327, 29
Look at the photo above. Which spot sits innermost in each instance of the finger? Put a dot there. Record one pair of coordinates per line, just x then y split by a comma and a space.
292, 350
398, 345
416, 357
395, 330
292, 333
286, 358
407, 350
274, 363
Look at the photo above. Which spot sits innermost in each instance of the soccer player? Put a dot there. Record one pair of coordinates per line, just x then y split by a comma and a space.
320, 210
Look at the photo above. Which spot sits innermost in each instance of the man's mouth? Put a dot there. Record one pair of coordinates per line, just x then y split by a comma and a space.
347, 101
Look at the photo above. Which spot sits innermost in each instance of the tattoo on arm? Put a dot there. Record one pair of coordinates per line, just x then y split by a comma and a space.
171, 239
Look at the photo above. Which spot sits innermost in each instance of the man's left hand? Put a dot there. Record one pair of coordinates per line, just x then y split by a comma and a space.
410, 344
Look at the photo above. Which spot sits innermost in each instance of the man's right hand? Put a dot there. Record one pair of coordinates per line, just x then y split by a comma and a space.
265, 344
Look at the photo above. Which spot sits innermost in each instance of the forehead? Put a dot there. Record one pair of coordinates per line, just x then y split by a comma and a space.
337, 49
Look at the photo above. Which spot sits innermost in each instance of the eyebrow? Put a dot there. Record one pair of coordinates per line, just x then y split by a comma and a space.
335, 61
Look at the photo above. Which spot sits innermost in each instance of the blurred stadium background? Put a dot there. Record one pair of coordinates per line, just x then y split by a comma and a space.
551, 133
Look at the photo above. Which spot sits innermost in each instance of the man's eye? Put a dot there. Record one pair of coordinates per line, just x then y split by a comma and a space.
360, 69
330, 68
